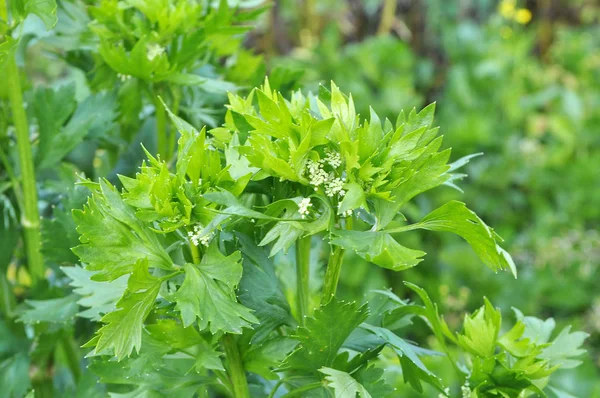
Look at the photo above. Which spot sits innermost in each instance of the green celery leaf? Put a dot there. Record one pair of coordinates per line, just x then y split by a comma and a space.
93, 117
413, 368
153, 370
100, 297
14, 375
172, 333
374, 382
537, 330
234, 206
344, 385
208, 294
323, 335
379, 248
481, 331
261, 290
59, 310
59, 233
564, 347
455, 217
113, 239
123, 328
264, 357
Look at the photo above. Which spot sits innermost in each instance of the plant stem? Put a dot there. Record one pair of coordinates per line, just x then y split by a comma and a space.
195, 253
162, 135
388, 14
30, 216
236, 367
332, 275
7, 299
302, 389
310, 24
302, 276
71, 351
14, 181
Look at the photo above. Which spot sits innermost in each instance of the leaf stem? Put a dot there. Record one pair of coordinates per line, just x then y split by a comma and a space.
162, 135
195, 253
332, 275
12, 177
275, 388
30, 216
388, 15
302, 389
237, 373
71, 351
7, 299
302, 276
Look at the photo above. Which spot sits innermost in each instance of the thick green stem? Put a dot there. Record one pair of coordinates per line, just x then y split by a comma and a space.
7, 298
302, 276
162, 134
388, 14
332, 275
30, 216
236, 367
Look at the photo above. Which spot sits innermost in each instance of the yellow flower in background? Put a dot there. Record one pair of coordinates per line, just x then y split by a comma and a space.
523, 16
507, 8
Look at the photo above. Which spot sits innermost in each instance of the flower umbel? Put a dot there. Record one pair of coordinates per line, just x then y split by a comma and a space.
154, 50
303, 207
196, 238
317, 175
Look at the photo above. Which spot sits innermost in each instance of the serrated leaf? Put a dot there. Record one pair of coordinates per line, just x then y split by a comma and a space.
113, 239
173, 334
379, 248
59, 310
233, 205
323, 335
100, 297
261, 290
481, 331
564, 347
264, 357
455, 217
413, 368
93, 116
372, 379
537, 330
208, 294
344, 385
122, 331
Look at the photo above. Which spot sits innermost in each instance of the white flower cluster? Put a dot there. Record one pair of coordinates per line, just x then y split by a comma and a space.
334, 186
346, 213
333, 159
303, 207
318, 176
198, 239
123, 77
466, 390
154, 50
